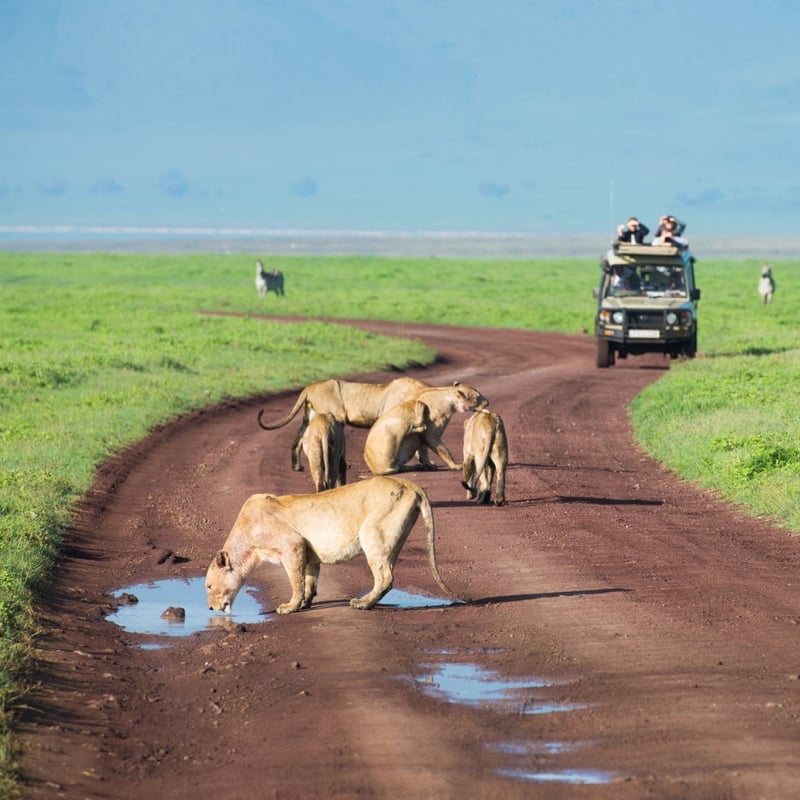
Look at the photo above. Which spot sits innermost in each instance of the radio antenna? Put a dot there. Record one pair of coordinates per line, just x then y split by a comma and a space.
611, 206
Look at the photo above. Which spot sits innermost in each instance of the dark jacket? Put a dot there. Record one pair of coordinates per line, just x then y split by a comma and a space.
637, 236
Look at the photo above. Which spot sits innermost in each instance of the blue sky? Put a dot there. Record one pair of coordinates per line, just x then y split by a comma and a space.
534, 116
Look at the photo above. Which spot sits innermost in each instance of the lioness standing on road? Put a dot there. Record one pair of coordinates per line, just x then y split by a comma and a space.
416, 425
324, 446
349, 402
485, 456
302, 531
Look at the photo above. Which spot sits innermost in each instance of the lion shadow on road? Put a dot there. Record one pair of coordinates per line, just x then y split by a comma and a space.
554, 498
607, 501
516, 598
476, 601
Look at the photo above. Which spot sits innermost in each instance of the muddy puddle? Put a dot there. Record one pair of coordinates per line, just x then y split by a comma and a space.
151, 613
469, 684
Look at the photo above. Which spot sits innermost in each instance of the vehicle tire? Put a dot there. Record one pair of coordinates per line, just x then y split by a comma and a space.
605, 355
690, 350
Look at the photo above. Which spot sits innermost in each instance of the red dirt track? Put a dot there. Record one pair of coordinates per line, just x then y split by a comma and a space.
665, 619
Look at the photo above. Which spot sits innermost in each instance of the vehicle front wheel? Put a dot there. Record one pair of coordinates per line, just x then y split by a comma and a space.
690, 350
693, 346
605, 354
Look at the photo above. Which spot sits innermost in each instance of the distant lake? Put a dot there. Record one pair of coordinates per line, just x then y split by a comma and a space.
415, 244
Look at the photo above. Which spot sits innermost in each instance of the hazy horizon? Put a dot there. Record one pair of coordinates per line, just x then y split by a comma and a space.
444, 244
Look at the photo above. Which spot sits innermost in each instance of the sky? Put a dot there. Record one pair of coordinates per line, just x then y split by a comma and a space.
529, 116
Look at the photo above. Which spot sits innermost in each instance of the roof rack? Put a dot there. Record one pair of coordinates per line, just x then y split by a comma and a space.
628, 249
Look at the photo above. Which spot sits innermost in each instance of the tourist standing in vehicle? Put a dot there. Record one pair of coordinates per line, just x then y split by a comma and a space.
667, 233
678, 225
632, 231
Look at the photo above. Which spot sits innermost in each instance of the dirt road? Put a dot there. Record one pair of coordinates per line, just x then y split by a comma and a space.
651, 632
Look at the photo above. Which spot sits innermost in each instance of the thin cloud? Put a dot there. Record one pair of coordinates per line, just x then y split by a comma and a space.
493, 190
305, 187
174, 183
105, 187
54, 188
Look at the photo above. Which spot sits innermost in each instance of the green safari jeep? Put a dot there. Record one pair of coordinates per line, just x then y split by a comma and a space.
646, 302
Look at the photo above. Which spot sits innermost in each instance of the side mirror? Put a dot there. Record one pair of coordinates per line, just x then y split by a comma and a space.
596, 292
695, 294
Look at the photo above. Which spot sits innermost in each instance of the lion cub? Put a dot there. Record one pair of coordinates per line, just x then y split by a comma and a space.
485, 456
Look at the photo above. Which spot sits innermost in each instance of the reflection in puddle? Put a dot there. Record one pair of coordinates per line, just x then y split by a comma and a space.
525, 753
472, 685
400, 599
154, 598
534, 748
579, 776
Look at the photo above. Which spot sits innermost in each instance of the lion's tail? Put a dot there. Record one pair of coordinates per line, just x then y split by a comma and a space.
430, 532
482, 458
288, 418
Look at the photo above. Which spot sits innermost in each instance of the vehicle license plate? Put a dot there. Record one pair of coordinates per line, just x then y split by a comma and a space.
643, 333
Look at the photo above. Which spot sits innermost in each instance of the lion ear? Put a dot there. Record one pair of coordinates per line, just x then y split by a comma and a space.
222, 560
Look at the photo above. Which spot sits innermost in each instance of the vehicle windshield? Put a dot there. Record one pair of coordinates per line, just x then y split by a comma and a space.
645, 280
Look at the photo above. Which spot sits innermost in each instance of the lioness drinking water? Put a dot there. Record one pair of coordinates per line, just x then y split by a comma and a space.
302, 531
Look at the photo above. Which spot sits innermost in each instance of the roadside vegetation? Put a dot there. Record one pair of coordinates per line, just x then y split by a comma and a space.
96, 350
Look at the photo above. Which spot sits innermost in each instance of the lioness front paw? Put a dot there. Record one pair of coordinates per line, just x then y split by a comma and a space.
287, 608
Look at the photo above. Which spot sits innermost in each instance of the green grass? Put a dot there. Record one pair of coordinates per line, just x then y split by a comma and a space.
95, 350
728, 421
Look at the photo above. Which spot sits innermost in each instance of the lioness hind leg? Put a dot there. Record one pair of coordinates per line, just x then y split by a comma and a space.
297, 444
468, 472
382, 575
294, 562
500, 490
311, 578
485, 484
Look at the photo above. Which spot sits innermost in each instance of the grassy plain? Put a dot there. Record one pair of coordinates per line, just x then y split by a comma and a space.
97, 349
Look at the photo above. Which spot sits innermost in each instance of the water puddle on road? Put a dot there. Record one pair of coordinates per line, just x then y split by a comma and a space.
472, 685
396, 598
150, 615
539, 753
584, 777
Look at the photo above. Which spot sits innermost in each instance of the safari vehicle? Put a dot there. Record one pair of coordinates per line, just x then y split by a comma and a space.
646, 302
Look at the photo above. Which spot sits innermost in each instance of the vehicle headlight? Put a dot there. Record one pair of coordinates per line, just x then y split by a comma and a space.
618, 317
672, 317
